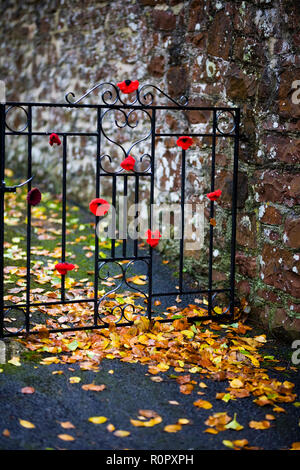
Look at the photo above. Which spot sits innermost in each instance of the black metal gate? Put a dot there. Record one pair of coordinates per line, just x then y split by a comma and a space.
112, 101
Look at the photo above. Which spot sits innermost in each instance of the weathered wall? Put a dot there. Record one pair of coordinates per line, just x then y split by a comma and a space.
241, 53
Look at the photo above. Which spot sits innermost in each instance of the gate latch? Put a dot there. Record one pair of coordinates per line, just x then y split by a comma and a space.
12, 189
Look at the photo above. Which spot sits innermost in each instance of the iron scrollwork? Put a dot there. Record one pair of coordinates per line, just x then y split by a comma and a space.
120, 310
111, 96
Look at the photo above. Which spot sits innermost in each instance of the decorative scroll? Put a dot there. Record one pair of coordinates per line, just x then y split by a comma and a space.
104, 272
111, 96
121, 125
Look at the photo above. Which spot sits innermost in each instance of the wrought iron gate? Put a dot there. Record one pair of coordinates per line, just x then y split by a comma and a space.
112, 101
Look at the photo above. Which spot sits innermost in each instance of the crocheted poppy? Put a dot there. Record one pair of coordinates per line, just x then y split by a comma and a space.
63, 268
214, 195
99, 206
153, 238
54, 139
34, 197
128, 86
184, 142
128, 163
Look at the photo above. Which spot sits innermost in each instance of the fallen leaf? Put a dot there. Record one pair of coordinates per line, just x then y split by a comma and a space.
234, 424
270, 417
26, 424
203, 404
28, 390
236, 383
97, 419
6, 433
295, 446
74, 380
15, 361
172, 428
67, 425
66, 437
259, 424
228, 444
241, 442
121, 433
93, 387
183, 421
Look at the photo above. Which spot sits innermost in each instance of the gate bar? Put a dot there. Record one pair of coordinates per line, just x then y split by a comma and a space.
2, 186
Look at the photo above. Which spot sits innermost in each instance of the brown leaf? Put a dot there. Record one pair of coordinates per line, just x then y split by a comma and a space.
93, 387
259, 424
203, 404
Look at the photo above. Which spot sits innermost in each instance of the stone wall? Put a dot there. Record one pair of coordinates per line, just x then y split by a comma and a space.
237, 53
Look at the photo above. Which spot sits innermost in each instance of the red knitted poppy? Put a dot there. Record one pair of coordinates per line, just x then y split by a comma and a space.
214, 195
63, 268
128, 86
153, 238
34, 197
128, 163
99, 206
54, 139
184, 142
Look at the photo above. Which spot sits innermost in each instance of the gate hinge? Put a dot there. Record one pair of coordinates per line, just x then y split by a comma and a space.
12, 189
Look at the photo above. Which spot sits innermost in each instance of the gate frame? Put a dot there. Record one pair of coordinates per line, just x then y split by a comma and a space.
117, 104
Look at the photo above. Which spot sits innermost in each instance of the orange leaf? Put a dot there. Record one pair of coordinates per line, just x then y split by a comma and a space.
203, 404
172, 428
67, 425
27, 390
66, 437
295, 446
93, 387
121, 433
259, 424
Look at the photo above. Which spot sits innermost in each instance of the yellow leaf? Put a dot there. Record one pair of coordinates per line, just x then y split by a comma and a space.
260, 339
188, 333
67, 425
211, 431
240, 442
172, 428
98, 419
218, 310
202, 385
121, 433
138, 280
203, 404
228, 444
74, 380
259, 424
66, 437
15, 361
183, 421
26, 424
236, 383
